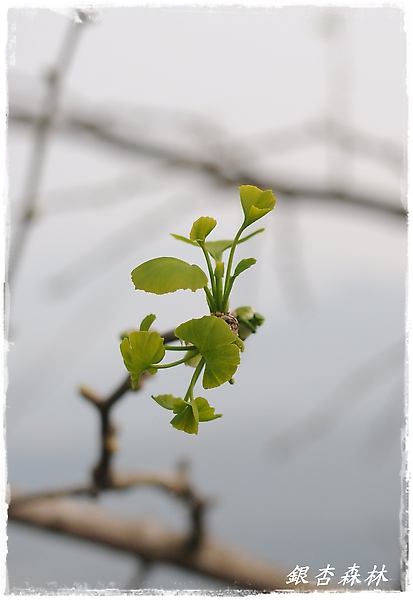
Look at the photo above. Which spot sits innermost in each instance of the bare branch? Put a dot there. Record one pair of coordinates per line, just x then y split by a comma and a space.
220, 173
176, 484
350, 140
43, 126
151, 541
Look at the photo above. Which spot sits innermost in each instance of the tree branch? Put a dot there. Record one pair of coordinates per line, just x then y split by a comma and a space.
176, 484
149, 540
95, 129
43, 126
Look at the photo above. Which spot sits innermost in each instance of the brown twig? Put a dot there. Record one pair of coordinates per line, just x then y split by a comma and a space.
176, 484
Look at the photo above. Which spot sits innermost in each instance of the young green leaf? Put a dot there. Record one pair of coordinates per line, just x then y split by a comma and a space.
219, 269
202, 228
217, 345
190, 414
147, 322
186, 420
140, 350
205, 411
243, 265
248, 319
238, 342
193, 361
255, 203
218, 247
250, 235
170, 402
167, 274
182, 238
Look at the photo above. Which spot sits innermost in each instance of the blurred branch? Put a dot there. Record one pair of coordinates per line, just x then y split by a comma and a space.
149, 540
43, 125
221, 173
176, 484
356, 142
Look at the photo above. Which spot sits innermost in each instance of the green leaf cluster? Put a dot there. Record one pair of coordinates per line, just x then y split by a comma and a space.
211, 344
249, 320
188, 415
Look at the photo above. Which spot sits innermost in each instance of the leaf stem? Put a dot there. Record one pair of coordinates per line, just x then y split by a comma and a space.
218, 295
225, 303
209, 265
190, 391
177, 362
180, 348
210, 299
228, 283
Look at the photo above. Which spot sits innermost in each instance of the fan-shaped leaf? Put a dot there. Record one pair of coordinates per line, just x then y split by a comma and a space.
256, 203
243, 265
190, 414
140, 350
202, 228
186, 420
147, 322
167, 274
182, 238
170, 402
217, 345
205, 411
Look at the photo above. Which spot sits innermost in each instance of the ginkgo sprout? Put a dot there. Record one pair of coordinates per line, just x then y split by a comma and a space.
213, 343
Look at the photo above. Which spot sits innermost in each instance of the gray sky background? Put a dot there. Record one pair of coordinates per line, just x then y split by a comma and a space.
330, 279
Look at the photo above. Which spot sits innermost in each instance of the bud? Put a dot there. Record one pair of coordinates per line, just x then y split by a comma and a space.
230, 319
